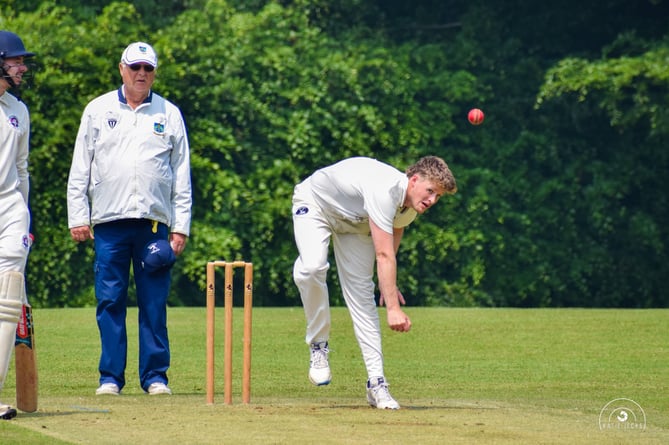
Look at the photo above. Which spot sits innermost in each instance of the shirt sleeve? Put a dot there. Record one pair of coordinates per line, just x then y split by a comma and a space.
382, 202
78, 205
22, 160
181, 189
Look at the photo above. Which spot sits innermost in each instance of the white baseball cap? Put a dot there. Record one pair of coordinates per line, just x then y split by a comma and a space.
139, 52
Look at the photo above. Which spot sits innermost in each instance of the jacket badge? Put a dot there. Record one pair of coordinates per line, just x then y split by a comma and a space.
158, 128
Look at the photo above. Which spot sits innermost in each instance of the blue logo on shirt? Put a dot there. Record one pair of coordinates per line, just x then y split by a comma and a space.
158, 128
302, 211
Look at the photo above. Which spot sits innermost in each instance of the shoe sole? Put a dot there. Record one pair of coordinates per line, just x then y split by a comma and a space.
9, 414
373, 405
388, 407
379, 407
108, 389
160, 393
158, 390
320, 383
323, 383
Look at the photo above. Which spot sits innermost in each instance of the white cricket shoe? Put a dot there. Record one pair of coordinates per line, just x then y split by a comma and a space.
158, 388
378, 395
108, 389
319, 367
7, 412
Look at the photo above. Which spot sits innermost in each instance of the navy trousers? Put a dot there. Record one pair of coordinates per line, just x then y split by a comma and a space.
117, 245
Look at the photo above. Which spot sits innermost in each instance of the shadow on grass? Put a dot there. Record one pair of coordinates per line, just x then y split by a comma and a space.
73, 410
417, 407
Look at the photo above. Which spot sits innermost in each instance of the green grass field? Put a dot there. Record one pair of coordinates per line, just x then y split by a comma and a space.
503, 376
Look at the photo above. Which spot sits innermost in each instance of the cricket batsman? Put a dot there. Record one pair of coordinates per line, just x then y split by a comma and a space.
14, 186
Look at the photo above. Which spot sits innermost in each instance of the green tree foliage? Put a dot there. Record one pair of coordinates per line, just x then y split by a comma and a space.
622, 181
561, 196
270, 98
75, 62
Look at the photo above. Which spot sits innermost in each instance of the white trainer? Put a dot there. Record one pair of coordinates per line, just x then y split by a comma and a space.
108, 389
158, 388
378, 395
7, 412
319, 367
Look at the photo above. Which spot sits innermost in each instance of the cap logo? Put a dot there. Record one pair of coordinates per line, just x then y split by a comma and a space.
158, 256
139, 52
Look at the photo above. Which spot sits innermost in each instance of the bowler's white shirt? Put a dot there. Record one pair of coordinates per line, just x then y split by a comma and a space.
357, 189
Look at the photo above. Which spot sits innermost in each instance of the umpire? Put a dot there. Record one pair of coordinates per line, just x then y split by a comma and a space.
130, 182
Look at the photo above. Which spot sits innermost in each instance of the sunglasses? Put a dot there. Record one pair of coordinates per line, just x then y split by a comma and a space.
138, 66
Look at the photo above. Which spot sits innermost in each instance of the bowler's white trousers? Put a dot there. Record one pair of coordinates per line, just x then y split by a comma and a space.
355, 258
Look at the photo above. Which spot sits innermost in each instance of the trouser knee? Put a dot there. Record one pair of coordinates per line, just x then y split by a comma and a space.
306, 275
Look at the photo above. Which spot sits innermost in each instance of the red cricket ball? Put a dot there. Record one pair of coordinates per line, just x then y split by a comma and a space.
475, 116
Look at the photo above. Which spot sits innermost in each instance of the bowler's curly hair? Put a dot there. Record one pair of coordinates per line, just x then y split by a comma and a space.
434, 169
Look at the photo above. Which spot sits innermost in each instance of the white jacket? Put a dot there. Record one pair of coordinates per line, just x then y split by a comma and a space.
130, 164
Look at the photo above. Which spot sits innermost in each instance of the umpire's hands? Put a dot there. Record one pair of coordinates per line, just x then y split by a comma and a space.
81, 233
178, 242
